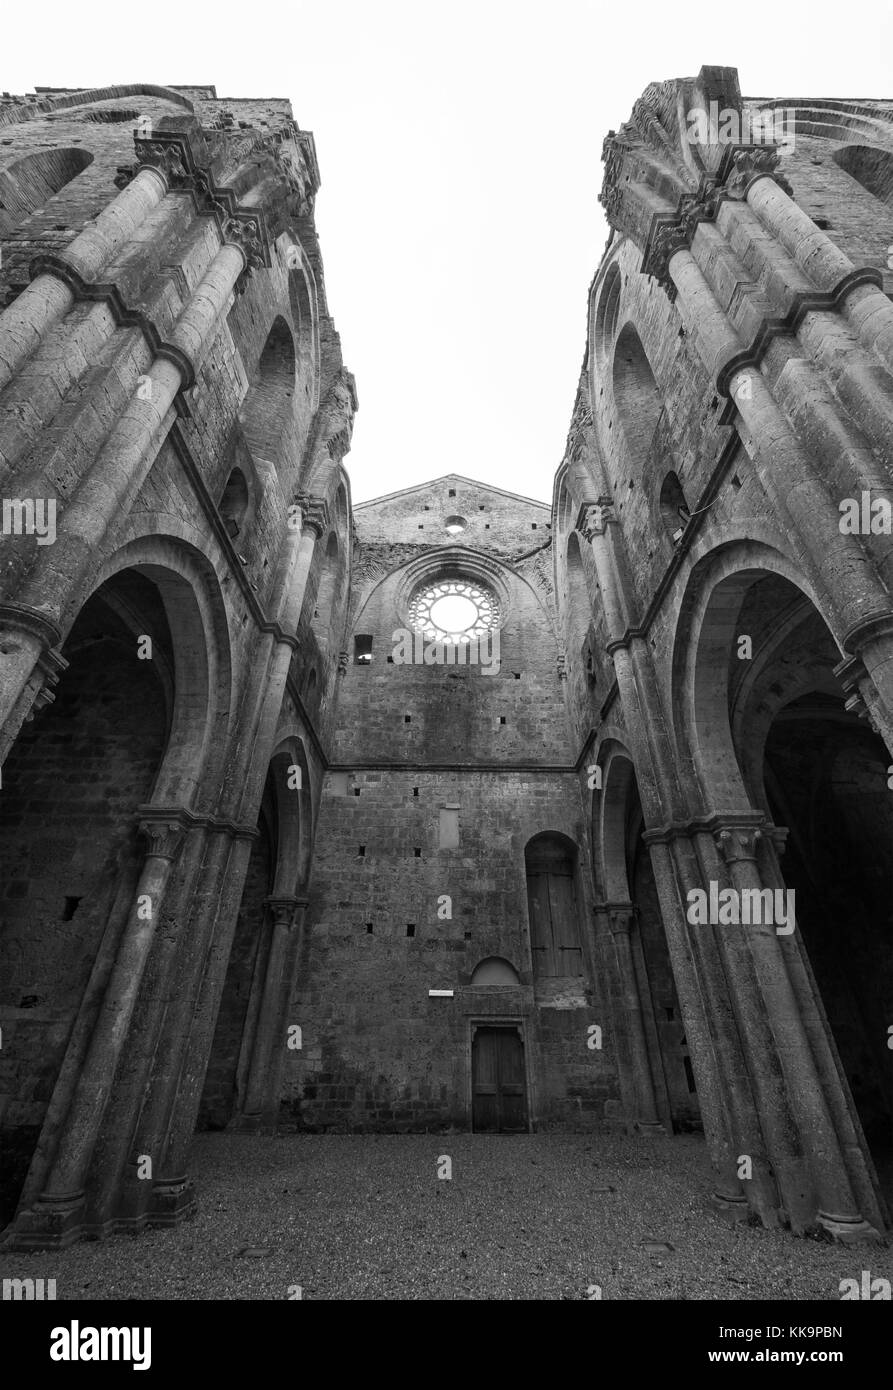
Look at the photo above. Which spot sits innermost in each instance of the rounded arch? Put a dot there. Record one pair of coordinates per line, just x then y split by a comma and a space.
706, 635
289, 776
611, 822
267, 413
607, 312
202, 668
871, 167
674, 511
235, 502
495, 971
303, 300
636, 395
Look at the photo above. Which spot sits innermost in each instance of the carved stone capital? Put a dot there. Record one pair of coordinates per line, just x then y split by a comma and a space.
246, 233
621, 921
738, 844
283, 911
314, 513
593, 518
164, 828
753, 162
167, 155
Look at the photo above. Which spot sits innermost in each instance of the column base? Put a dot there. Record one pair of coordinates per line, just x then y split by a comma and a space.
172, 1201
52, 1223
649, 1128
849, 1230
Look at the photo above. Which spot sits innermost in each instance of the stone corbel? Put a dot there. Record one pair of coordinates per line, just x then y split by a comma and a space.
857, 683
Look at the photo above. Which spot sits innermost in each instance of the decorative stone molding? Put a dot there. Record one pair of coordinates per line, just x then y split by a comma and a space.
188, 821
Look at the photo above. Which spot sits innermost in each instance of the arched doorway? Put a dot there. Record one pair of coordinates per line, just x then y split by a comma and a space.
821, 772
69, 847
793, 784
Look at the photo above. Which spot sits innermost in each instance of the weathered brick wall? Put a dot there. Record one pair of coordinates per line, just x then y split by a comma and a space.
378, 1052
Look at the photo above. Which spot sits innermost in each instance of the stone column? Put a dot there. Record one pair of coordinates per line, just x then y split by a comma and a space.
16, 620
838, 1211
49, 297
620, 922
728, 1110
286, 916
118, 474
837, 565
59, 1207
865, 305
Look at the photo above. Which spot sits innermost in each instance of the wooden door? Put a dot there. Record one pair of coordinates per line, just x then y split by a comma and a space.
499, 1092
554, 930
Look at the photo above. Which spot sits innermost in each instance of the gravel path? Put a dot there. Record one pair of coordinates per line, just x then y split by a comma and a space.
530, 1217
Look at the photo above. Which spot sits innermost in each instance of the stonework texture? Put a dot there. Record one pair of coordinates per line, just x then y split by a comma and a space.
273, 862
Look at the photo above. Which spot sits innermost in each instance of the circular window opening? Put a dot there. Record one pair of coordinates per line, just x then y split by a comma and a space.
455, 525
455, 610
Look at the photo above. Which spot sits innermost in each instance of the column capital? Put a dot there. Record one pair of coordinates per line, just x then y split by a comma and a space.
750, 163
285, 910
314, 513
738, 843
593, 517
164, 827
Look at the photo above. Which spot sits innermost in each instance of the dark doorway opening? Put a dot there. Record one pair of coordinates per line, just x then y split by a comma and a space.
827, 781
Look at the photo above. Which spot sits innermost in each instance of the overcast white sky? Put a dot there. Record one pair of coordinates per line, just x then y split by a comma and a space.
460, 149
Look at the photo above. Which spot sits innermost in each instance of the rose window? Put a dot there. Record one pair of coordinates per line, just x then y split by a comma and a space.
454, 610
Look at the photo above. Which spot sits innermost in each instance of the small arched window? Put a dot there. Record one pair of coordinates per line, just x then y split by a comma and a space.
870, 167
234, 502
636, 395
30, 182
673, 507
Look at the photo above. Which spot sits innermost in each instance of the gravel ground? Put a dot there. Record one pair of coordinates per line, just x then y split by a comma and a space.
533, 1217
